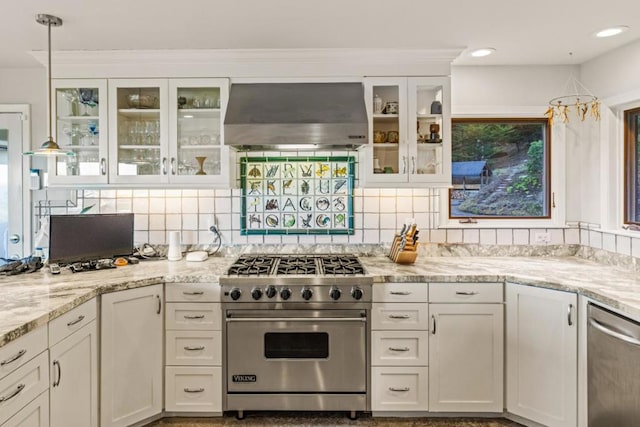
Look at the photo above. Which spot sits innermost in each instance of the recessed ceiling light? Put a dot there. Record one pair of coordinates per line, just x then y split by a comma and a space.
485, 51
613, 31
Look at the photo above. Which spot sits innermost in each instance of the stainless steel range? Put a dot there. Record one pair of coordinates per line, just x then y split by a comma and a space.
296, 333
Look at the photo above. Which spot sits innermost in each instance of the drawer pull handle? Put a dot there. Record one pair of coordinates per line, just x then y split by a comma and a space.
433, 320
466, 293
56, 383
570, 309
398, 316
196, 316
193, 293
399, 389
13, 358
13, 394
400, 293
78, 320
190, 348
193, 390
399, 349
159, 309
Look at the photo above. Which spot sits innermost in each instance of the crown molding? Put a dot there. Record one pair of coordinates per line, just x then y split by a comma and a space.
250, 56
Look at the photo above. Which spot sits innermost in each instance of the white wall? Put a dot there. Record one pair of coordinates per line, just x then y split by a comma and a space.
27, 86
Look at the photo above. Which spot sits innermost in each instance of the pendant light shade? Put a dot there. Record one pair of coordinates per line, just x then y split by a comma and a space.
49, 147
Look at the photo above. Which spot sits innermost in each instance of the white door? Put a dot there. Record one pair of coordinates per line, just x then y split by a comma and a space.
74, 379
12, 168
131, 350
542, 355
466, 358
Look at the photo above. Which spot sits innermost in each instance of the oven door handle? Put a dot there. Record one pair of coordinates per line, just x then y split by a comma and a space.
296, 319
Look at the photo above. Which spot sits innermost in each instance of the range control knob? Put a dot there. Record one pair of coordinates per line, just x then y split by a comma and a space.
235, 294
285, 293
256, 293
357, 293
271, 291
307, 294
335, 293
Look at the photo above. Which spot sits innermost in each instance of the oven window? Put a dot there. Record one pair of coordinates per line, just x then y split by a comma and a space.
296, 345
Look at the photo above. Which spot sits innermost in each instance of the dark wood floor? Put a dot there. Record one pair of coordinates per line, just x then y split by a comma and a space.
323, 419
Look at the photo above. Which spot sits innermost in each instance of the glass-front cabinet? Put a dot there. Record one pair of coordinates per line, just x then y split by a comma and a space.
138, 124
410, 131
196, 117
80, 126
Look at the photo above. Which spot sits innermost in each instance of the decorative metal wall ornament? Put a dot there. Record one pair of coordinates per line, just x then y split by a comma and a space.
578, 98
297, 195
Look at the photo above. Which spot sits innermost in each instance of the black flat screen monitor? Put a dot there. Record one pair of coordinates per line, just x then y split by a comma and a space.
75, 238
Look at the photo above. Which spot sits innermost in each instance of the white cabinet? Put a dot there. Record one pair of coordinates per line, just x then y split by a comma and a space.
74, 368
411, 136
35, 414
466, 358
131, 356
23, 385
193, 369
399, 348
80, 126
542, 355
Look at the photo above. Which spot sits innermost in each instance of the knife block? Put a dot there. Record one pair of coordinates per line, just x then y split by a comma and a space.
407, 255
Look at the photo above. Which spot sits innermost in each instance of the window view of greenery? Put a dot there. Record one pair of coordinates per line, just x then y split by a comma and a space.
632, 165
499, 169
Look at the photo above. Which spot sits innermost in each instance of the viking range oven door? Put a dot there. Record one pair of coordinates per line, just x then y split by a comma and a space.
296, 351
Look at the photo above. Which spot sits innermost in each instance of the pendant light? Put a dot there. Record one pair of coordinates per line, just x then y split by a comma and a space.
49, 148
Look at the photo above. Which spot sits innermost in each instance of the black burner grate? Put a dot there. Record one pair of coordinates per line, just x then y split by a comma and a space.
251, 265
297, 265
265, 265
341, 265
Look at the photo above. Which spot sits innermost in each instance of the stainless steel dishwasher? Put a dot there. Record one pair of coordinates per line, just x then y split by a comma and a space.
613, 363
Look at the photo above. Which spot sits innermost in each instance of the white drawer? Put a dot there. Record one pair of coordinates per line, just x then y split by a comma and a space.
63, 326
400, 292
192, 292
414, 316
194, 348
399, 348
193, 389
23, 385
399, 389
465, 292
21, 350
35, 414
193, 315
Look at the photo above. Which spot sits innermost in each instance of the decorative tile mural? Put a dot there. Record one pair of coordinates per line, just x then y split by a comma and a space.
297, 195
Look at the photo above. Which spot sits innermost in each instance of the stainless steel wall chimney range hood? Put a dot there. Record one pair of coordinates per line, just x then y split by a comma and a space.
296, 116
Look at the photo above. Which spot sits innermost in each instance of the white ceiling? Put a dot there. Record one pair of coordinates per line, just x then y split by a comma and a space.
522, 31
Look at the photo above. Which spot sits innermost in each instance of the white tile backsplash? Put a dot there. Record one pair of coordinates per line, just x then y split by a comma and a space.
378, 216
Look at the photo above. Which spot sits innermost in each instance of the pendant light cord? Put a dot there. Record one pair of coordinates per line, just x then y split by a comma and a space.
49, 82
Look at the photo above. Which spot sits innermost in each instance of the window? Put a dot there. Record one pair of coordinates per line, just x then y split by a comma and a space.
500, 168
632, 166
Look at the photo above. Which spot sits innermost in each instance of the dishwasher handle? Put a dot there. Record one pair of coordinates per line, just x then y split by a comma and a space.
607, 331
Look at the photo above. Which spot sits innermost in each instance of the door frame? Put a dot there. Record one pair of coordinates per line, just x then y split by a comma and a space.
25, 110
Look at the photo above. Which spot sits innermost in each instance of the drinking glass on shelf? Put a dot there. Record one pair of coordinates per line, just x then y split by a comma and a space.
197, 102
93, 130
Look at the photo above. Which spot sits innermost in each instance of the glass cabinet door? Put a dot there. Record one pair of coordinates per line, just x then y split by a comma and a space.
197, 106
80, 125
138, 119
429, 153
387, 160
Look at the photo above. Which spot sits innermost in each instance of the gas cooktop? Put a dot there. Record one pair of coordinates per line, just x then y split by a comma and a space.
297, 270
283, 265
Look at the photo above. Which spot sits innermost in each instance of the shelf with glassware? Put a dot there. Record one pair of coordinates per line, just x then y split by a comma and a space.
196, 120
138, 121
410, 132
80, 126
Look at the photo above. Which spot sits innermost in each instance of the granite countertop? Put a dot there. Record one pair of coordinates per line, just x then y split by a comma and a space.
31, 300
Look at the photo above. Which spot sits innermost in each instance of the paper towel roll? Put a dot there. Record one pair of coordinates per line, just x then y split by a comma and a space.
175, 250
